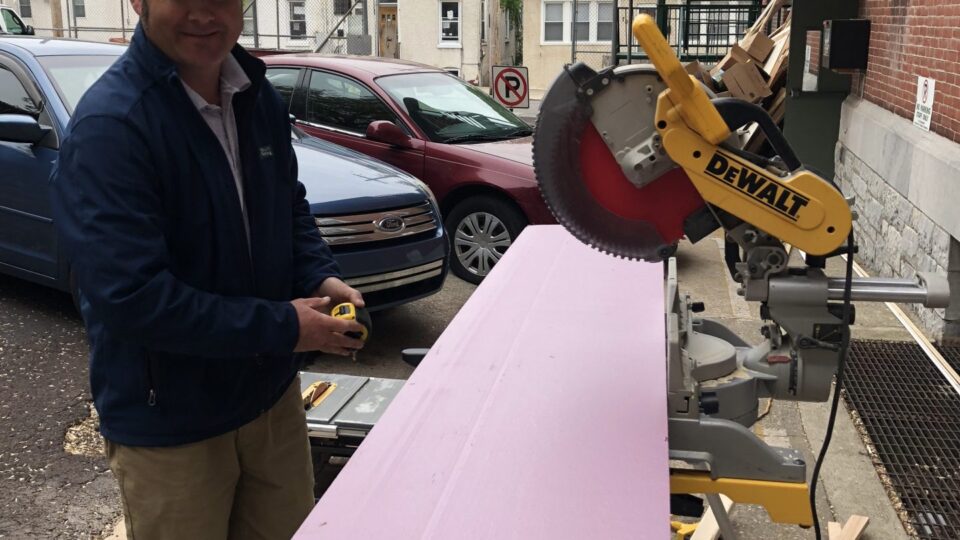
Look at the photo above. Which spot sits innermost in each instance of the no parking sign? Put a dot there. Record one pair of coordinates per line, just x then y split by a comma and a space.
510, 87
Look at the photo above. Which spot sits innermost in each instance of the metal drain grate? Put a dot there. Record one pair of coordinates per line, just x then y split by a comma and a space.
912, 416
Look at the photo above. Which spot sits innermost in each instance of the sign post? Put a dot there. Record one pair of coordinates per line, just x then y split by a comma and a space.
510, 86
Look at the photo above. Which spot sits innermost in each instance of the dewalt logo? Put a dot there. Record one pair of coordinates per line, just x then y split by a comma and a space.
761, 188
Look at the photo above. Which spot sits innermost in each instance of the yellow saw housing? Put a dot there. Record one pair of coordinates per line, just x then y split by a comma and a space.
801, 208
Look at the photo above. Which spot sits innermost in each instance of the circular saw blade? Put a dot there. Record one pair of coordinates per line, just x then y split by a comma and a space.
632, 207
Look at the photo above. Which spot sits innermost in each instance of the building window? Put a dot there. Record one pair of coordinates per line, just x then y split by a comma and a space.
581, 27
79, 9
298, 19
249, 18
553, 21
449, 22
591, 21
605, 21
25, 10
483, 21
341, 7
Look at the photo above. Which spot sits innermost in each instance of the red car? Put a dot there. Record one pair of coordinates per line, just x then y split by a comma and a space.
473, 153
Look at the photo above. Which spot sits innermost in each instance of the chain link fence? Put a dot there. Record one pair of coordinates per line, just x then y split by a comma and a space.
592, 25
328, 26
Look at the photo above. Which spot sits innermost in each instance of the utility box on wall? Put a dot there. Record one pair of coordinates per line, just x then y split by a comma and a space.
846, 44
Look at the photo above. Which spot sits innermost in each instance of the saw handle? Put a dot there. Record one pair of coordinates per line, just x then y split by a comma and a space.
688, 98
737, 113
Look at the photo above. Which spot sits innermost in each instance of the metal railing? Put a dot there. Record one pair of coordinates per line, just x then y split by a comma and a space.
696, 29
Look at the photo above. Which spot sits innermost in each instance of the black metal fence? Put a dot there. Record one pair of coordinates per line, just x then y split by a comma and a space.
696, 29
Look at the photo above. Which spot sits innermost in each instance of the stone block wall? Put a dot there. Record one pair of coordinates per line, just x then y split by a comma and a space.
895, 238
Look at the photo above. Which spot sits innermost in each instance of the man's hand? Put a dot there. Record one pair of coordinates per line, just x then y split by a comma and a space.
321, 332
339, 292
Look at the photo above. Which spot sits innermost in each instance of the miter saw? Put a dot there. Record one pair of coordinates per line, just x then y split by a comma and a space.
633, 158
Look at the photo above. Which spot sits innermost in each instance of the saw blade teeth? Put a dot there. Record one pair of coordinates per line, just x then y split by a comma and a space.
564, 115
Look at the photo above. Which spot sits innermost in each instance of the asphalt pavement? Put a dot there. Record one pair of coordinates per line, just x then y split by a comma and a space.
46, 492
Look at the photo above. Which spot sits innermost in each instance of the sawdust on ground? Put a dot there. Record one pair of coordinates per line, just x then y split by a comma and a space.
83, 438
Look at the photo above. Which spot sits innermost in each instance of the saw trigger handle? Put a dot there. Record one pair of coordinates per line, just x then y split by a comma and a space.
688, 98
737, 113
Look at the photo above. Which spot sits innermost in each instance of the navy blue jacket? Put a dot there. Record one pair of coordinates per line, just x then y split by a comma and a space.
191, 333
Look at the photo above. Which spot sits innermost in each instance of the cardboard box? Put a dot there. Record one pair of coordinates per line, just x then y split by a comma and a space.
757, 45
736, 55
744, 81
700, 73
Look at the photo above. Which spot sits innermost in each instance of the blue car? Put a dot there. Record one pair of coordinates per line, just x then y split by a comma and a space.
382, 224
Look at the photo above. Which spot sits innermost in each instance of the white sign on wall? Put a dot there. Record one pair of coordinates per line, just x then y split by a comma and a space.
924, 110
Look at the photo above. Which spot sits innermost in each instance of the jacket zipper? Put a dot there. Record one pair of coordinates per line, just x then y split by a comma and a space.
152, 393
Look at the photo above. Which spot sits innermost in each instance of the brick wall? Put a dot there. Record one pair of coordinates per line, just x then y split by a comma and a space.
911, 38
813, 41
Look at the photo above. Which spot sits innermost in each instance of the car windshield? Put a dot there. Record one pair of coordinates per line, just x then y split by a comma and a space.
73, 75
451, 111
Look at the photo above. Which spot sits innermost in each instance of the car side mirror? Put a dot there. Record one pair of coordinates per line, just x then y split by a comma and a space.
29, 31
388, 132
21, 128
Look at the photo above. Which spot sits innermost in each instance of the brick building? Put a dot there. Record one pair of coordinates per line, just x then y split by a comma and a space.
907, 180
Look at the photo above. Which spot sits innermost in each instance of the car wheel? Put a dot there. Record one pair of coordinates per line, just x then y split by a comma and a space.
480, 230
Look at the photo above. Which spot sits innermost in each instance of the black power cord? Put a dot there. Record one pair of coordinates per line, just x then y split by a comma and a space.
844, 346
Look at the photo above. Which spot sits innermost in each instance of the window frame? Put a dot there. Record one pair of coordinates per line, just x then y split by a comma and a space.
251, 9
297, 84
337, 4
564, 36
569, 19
32, 87
291, 20
28, 10
307, 77
595, 25
442, 42
78, 6
13, 17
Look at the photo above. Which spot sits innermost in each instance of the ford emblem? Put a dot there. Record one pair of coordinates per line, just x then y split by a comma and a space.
390, 224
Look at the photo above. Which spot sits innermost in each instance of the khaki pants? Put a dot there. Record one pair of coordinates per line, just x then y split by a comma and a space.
255, 482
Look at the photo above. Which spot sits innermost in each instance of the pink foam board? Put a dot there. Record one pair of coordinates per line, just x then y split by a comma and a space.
540, 412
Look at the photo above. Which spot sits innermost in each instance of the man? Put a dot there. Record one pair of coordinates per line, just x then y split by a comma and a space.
200, 271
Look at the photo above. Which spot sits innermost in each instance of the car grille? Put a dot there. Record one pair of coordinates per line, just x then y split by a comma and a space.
389, 280
378, 226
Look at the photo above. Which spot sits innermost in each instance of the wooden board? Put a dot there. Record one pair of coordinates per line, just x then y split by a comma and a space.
781, 47
854, 527
540, 412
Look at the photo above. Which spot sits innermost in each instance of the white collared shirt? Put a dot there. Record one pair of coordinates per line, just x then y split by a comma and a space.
223, 123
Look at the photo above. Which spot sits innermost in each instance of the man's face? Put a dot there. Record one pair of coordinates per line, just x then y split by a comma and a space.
193, 33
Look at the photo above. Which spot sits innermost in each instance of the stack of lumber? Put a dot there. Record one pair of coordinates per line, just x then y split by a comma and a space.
754, 70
